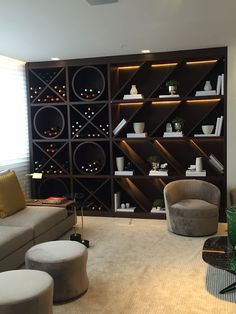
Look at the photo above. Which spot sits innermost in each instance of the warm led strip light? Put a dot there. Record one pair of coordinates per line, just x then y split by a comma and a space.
203, 100
166, 102
202, 62
130, 67
159, 65
130, 103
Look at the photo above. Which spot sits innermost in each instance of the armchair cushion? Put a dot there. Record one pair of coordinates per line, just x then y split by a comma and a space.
195, 208
11, 196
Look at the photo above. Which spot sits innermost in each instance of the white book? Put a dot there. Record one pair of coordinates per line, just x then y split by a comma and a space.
136, 96
157, 211
173, 134
216, 166
217, 126
116, 200
135, 135
220, 126
204, 135
126, 210
212, 161
169, 96
218, 85
190, 173
160, 173
119, 126
222, 84
124, 173
216, 161
205, 93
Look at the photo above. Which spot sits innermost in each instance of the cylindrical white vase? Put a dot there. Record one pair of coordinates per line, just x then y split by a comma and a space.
199, 164
138, 127
120, 161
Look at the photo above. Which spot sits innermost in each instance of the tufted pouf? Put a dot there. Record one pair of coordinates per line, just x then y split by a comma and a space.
25, 291
66, 262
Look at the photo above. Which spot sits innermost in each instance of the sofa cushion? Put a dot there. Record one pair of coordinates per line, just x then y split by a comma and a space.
12, 238
39, 218
3, 172
11, 196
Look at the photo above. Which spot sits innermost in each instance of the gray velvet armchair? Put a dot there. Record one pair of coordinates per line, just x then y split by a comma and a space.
192, 207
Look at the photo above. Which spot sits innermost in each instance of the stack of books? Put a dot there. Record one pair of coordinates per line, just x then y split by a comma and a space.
169, 96
194, 173
220, 84
173, 134
216, 163
54, 200
136, 135
160, 173
124, 173
119, 126
136, 96
219, 124
158, 210
126, 210
205, 93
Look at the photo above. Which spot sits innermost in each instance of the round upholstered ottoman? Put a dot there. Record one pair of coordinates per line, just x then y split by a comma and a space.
66, 262
25, 292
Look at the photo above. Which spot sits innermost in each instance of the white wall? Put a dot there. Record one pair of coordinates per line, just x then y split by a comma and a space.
231, 116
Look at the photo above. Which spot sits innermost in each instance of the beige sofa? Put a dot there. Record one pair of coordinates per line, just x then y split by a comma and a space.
29, 226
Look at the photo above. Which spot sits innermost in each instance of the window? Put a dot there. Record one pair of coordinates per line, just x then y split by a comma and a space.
14, 142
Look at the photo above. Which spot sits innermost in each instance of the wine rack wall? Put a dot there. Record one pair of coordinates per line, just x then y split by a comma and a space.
75, 105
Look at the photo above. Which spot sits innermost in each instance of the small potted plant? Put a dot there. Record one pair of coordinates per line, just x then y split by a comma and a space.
158, 203
178, 123
172, 86
154, 160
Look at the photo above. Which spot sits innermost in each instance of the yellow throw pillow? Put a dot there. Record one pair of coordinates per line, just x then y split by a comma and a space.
11, 196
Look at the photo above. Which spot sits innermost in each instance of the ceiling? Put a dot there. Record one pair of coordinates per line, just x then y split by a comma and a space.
32, 30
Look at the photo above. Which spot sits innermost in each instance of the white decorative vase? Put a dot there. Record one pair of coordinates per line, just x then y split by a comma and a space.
133, 90
199, 164
120, 161
208, 86
138, 127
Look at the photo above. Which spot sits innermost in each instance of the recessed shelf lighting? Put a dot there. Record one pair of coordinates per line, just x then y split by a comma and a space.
145, 51
202, 62
55, 58
158, 65
203, 100
130, 103
165, 102
129, 67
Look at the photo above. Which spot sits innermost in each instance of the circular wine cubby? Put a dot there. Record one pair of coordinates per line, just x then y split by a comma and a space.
52, 187
49, 122
88, 83
89, 158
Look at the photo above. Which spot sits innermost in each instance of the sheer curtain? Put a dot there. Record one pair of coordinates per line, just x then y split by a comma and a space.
14, 140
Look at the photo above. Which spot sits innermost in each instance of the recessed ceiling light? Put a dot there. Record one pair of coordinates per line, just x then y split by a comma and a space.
55, 58
97, 2
145, 51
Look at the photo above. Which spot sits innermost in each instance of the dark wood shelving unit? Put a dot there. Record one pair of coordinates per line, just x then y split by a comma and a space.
74, 106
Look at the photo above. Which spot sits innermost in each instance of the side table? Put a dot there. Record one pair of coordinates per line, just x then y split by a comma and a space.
218, 252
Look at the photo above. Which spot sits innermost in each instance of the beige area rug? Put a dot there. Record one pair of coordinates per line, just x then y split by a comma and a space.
137, 266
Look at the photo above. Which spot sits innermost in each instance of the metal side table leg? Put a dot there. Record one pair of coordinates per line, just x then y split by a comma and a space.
229, 288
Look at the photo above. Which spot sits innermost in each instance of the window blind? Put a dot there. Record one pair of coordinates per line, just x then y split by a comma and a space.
14, 140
